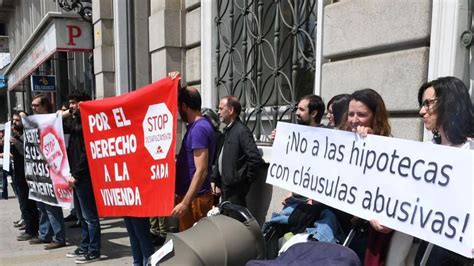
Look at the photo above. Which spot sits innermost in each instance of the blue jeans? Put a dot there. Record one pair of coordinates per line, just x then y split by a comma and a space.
86, 212
51, 223
325, 228
140, 239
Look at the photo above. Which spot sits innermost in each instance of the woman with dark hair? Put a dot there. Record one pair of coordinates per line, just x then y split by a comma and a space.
447, 111
367, 114
337, 107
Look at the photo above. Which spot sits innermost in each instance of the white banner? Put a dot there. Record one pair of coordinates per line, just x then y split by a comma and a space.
421, 189
6, 146
46, 163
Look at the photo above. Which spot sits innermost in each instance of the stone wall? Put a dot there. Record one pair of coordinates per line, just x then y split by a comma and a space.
383, 45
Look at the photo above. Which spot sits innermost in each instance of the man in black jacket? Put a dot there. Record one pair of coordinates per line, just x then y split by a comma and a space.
238, 158
80, 181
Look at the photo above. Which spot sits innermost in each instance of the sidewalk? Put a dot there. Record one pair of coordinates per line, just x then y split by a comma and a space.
115, 243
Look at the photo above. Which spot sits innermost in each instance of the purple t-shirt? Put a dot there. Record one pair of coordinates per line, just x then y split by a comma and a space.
199, 135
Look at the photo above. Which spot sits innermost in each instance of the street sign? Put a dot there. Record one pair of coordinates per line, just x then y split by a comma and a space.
43, 83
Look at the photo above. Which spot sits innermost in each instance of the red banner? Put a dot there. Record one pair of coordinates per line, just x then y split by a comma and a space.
130, 143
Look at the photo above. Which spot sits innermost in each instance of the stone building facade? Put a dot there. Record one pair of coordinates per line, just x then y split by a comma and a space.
390, 46
45, 40
269, 53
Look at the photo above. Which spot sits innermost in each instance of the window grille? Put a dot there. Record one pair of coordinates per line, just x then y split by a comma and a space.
265, 54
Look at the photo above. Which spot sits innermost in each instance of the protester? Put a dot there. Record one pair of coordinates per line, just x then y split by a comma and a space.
159, 229
28, 208
336, 109
20, 223
215, 121
51, 228
194, 162
309, 112
239, 169
72, 217
367, 114
447, 111
3, 172
138, 229
80, 181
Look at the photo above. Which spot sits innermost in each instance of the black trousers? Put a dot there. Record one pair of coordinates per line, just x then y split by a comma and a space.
236, 194
28, 209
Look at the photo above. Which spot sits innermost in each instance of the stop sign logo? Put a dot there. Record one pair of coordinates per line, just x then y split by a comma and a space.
52, 152
158, 130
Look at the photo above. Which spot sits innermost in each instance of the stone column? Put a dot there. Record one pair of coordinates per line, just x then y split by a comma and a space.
165, 42
104, 70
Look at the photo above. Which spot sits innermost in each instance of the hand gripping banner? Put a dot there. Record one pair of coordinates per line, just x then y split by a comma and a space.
130, 143
46, 162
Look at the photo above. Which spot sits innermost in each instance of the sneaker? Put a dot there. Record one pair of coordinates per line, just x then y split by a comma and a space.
76, 253
54, 245
37, 240
22, 227
17, 222
25, 237
88, 258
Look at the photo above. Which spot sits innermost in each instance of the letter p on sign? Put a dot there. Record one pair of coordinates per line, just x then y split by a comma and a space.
73, 32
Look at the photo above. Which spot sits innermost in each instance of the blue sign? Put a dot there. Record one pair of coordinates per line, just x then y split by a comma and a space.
3, 82
43, 83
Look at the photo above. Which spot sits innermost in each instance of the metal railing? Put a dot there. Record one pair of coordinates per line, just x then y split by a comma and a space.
265, 54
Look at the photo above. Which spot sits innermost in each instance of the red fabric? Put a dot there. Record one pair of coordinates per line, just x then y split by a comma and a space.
377, 248
130, 144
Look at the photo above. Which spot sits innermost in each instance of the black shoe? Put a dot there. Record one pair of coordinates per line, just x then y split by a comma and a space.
158, 240
70, 218
19, 223
88, 258
25, 237
76, 253
22, 227
75, 225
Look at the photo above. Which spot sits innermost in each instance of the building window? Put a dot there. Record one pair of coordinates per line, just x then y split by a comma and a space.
265, 55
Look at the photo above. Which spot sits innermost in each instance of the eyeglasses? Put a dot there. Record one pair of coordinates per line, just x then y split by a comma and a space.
34, 105
428, 103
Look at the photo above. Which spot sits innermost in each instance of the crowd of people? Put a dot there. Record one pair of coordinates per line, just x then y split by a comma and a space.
221, 165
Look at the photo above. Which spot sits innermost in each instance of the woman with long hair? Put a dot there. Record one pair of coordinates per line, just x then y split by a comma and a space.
447, 111
367, 114
336, 109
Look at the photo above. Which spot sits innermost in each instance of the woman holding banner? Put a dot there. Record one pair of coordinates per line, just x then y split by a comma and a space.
447, 111
367, 114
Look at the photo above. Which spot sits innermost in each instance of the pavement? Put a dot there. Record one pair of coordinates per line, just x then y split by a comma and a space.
115, 242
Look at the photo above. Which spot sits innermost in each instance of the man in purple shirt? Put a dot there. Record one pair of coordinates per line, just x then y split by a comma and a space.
193, 187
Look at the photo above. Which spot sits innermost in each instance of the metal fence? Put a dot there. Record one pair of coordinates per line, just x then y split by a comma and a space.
265, 54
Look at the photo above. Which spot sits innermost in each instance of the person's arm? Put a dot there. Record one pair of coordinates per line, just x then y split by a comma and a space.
200, 160
17, 141
67, 121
